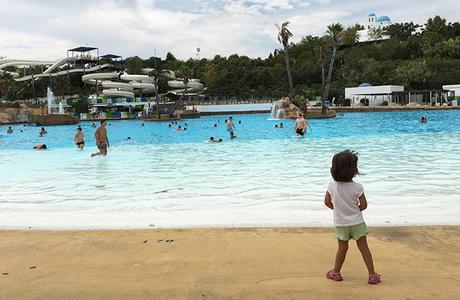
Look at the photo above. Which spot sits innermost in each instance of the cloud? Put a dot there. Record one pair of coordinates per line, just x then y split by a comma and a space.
46, 29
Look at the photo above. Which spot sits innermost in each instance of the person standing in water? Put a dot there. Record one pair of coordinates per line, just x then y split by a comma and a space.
102, 141
10, 130
301, 125
230, 125
79, 139
42, 131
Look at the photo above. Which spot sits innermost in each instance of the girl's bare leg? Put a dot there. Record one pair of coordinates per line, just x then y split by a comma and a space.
340, 256
366, 254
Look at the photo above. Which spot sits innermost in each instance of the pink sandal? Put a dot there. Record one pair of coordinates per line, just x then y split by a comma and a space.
334, 276
374, 278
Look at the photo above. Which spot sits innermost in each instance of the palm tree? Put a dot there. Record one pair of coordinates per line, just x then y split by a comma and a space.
155, 74
333, 34
283, 37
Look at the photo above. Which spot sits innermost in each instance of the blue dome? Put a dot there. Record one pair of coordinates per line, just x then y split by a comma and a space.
365, 84
383, 19
371, 15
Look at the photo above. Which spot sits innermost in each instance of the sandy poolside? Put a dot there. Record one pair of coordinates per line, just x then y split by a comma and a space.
263, 263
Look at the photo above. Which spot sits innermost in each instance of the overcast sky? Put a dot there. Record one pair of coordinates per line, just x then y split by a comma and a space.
45, 29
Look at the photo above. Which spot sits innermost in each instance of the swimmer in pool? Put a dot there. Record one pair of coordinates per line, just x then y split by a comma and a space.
79, 139
213, 140
10, 130
232, 135
301, 124
230, 125
40, 147
102, 140
42, 131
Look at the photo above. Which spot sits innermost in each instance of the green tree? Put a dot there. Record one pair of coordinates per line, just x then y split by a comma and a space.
437, 25
401, 31
133, 64
350, 35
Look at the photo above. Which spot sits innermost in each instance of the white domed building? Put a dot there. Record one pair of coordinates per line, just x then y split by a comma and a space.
374, 24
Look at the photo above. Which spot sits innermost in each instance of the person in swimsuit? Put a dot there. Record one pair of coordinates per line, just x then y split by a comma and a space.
40, 147
42, 131
232, 135
10, 130
79, 139
301, 125
102, 141
230, 125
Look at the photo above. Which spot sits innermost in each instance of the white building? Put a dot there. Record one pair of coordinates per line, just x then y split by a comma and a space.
372, 24
373, 95
453, 94
454, 90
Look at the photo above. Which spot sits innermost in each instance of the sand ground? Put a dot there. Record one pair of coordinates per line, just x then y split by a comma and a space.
264, 263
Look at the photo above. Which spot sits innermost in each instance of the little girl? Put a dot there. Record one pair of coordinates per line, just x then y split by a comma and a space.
346, 198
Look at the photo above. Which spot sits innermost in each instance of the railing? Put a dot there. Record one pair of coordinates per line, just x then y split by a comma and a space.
228, 100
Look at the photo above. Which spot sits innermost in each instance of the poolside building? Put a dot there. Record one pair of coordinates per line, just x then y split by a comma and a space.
367, 94
453, 93
383, 95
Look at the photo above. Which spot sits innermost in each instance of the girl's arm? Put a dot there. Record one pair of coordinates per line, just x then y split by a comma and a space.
362, 202
328, 200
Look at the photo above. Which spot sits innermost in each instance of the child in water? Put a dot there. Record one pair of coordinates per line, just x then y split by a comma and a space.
346, 198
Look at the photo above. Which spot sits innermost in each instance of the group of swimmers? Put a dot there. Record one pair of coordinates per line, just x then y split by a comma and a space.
41, 133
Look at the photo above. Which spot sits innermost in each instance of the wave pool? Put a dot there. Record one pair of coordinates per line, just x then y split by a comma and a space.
266, 177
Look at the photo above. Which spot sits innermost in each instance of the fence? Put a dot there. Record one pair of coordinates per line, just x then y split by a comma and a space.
216, 100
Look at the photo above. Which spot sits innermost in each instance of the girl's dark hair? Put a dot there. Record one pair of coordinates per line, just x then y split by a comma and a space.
345, 166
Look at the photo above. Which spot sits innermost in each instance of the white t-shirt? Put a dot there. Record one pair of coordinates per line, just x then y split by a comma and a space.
345, 198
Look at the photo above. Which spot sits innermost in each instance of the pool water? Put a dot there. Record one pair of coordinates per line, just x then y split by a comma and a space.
266, 177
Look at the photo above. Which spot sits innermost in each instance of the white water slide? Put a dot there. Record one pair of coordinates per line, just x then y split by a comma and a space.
114, 84
127, 85
52, 66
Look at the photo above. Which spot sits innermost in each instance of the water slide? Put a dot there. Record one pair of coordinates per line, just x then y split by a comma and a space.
192, 86
114, 84
64, 72
126, 86
21, 62
52, 66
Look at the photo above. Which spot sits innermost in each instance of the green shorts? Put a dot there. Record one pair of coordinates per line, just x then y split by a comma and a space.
354, 232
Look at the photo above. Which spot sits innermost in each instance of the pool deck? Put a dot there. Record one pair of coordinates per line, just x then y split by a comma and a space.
238, 263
